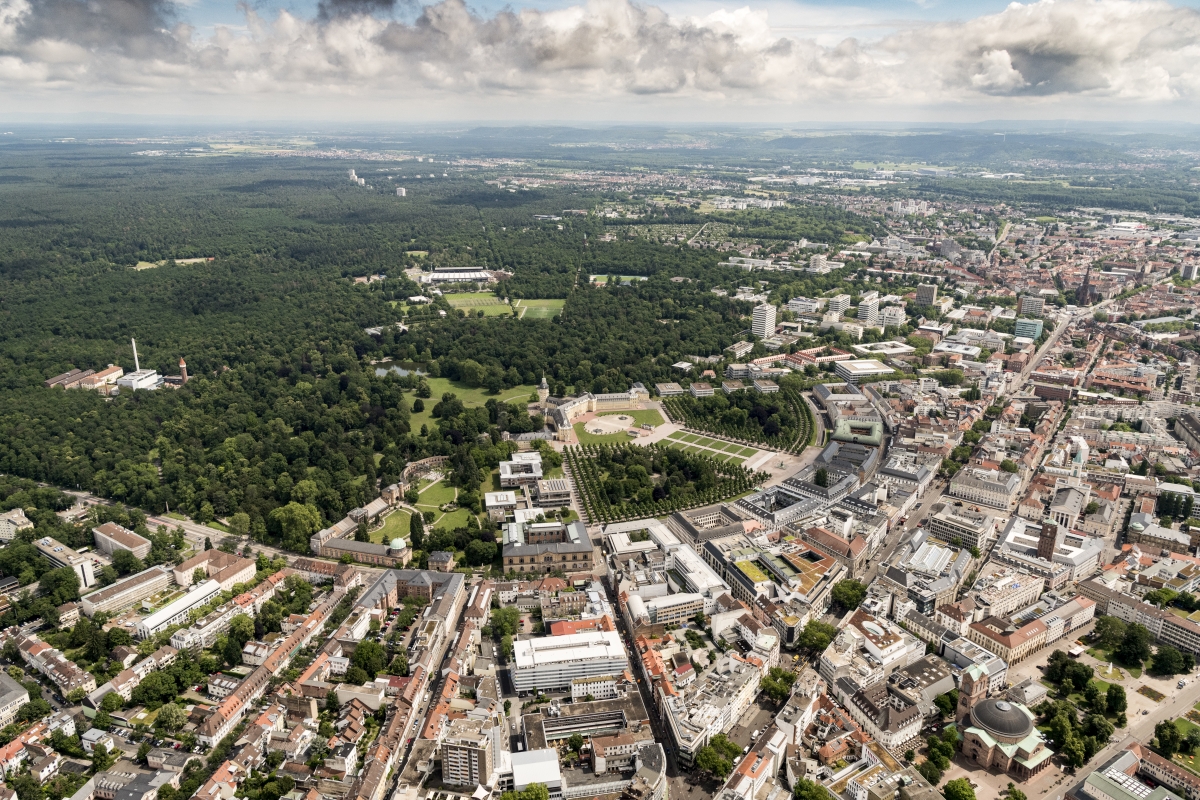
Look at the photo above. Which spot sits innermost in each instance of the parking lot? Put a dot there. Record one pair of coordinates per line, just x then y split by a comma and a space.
757, 717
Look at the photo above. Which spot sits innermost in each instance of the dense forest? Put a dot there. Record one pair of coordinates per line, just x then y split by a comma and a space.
284, 419
283, 409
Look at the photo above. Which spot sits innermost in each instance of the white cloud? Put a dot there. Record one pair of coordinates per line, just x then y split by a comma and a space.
604, 53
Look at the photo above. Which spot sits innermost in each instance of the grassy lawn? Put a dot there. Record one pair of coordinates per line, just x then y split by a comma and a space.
175, 515
1106, 657
747, 451
470, 397
647, 416
691, 437
395, 525
216, 526
436, 494
145, 718
455, 519
677, 435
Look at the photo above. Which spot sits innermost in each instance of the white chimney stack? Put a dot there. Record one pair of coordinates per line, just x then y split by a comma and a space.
137, 367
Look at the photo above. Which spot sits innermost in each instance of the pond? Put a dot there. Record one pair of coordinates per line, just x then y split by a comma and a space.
403, 369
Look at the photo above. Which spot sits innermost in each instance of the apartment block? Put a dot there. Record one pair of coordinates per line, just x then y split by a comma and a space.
125, 593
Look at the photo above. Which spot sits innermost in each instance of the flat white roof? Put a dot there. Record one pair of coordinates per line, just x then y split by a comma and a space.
499, 498
536, 766
862, 366
885, 348
587, 646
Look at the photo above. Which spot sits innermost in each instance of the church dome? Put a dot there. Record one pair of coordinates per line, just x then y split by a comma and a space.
1002, 719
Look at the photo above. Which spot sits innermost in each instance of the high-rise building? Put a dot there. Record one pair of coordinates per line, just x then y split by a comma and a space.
467, 752
926, 294
763, 324
839, 304
1031, 328
1189, 272
868, 308
1032, 306
892, 315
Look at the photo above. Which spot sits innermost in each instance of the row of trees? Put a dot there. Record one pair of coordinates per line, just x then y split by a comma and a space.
782, 420
654, 480
1132, 645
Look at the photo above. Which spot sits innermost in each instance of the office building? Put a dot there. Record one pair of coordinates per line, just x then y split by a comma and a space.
552, 663
1032, 306
124, 593
763, 323
961, 525
111, 537
60, 555
174, 613
1029, 328
989, 487
857, 369
926, 294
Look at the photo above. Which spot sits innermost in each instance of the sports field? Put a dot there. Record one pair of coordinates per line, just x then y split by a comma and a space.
474, 302
539, 309
695, 443
473, 299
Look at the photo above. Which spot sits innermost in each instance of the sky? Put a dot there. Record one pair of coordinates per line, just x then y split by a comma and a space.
610, 61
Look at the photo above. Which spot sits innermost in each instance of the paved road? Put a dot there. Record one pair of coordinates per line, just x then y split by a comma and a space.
196, 533
818, 417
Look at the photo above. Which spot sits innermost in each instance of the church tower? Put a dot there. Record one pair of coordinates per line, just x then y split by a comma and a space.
971, 691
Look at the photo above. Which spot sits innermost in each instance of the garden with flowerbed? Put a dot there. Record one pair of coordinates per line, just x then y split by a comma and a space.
623, 481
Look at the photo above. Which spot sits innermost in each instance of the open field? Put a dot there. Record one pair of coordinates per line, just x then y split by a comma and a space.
469, 396
603, 278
